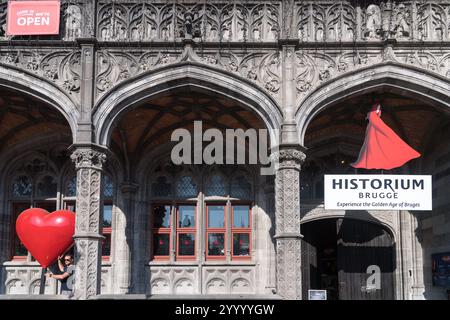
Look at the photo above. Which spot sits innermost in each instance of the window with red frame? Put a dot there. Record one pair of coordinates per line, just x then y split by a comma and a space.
108, 194
161, 231
19, 252
107, 229
215, 231
185, 231
241, 231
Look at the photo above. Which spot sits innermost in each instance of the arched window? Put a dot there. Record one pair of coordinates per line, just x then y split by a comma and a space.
108, 187
108, 194
161, 187
240, 187
186, 187
35, 186
22, 186
215, 186
47, 187
225, 214
71, 187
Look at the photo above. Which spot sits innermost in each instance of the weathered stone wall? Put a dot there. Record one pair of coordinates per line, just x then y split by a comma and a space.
434, 227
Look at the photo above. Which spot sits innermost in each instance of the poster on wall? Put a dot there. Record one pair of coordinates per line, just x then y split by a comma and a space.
378, 192
33, 18
441, 269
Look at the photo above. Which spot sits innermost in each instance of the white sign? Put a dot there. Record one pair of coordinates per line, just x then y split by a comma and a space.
378, 192
317, 294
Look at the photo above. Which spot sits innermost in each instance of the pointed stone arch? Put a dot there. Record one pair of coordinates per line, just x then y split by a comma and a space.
196, 77
390, 76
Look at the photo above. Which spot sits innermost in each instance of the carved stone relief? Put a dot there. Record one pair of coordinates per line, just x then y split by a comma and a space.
167, 21
73, 20
173, 280
60, 67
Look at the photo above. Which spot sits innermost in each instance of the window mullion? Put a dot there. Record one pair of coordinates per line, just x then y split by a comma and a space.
228, 226
173, 232
201, 234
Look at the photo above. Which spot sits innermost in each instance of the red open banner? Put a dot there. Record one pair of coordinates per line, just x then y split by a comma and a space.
33, 17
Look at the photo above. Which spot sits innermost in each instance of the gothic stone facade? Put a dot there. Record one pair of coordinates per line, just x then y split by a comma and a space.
285, 61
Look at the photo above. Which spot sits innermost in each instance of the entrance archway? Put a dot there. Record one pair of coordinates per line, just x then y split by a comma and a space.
189, 216
334, 134
35, 171
340, 254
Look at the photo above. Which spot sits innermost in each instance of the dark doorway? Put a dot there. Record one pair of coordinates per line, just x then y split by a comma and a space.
337, 254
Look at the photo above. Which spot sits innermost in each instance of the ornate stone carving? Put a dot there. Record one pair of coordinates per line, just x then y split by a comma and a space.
433, 20
373, 22
87, 158
287, 221
3, 35
402, 21
60, 67
168, 21
88, 163
73, 20
289, 268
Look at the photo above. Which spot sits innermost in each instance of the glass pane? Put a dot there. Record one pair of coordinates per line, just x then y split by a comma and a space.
186, 244
71, 190
216, 216
216, 244
186, 217
107, 215
22, 187
241, 188
71, 207
108, 187
47, 187
161, 188
216, 186
161, 244
241, 244
106, 245
161, 216
241, 216
186, 187
19, 249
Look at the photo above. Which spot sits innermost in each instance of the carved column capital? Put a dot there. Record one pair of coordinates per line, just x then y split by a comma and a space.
88, 158
129, 188
290, 157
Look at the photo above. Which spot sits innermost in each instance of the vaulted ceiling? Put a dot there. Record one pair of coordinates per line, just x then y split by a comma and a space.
345, 122
151, 124
23, 118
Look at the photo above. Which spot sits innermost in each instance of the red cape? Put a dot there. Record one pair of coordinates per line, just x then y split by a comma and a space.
382, 148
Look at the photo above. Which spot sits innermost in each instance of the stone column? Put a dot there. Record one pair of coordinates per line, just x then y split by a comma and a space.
124, 238
88, 256
287, 221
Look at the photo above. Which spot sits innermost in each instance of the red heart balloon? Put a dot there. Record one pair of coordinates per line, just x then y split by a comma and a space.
46, 235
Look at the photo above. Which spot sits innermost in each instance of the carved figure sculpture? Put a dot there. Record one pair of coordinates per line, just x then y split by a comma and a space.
73, 23
373, 22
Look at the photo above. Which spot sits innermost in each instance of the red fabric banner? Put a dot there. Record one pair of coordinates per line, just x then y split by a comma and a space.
382, 148
33, 17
